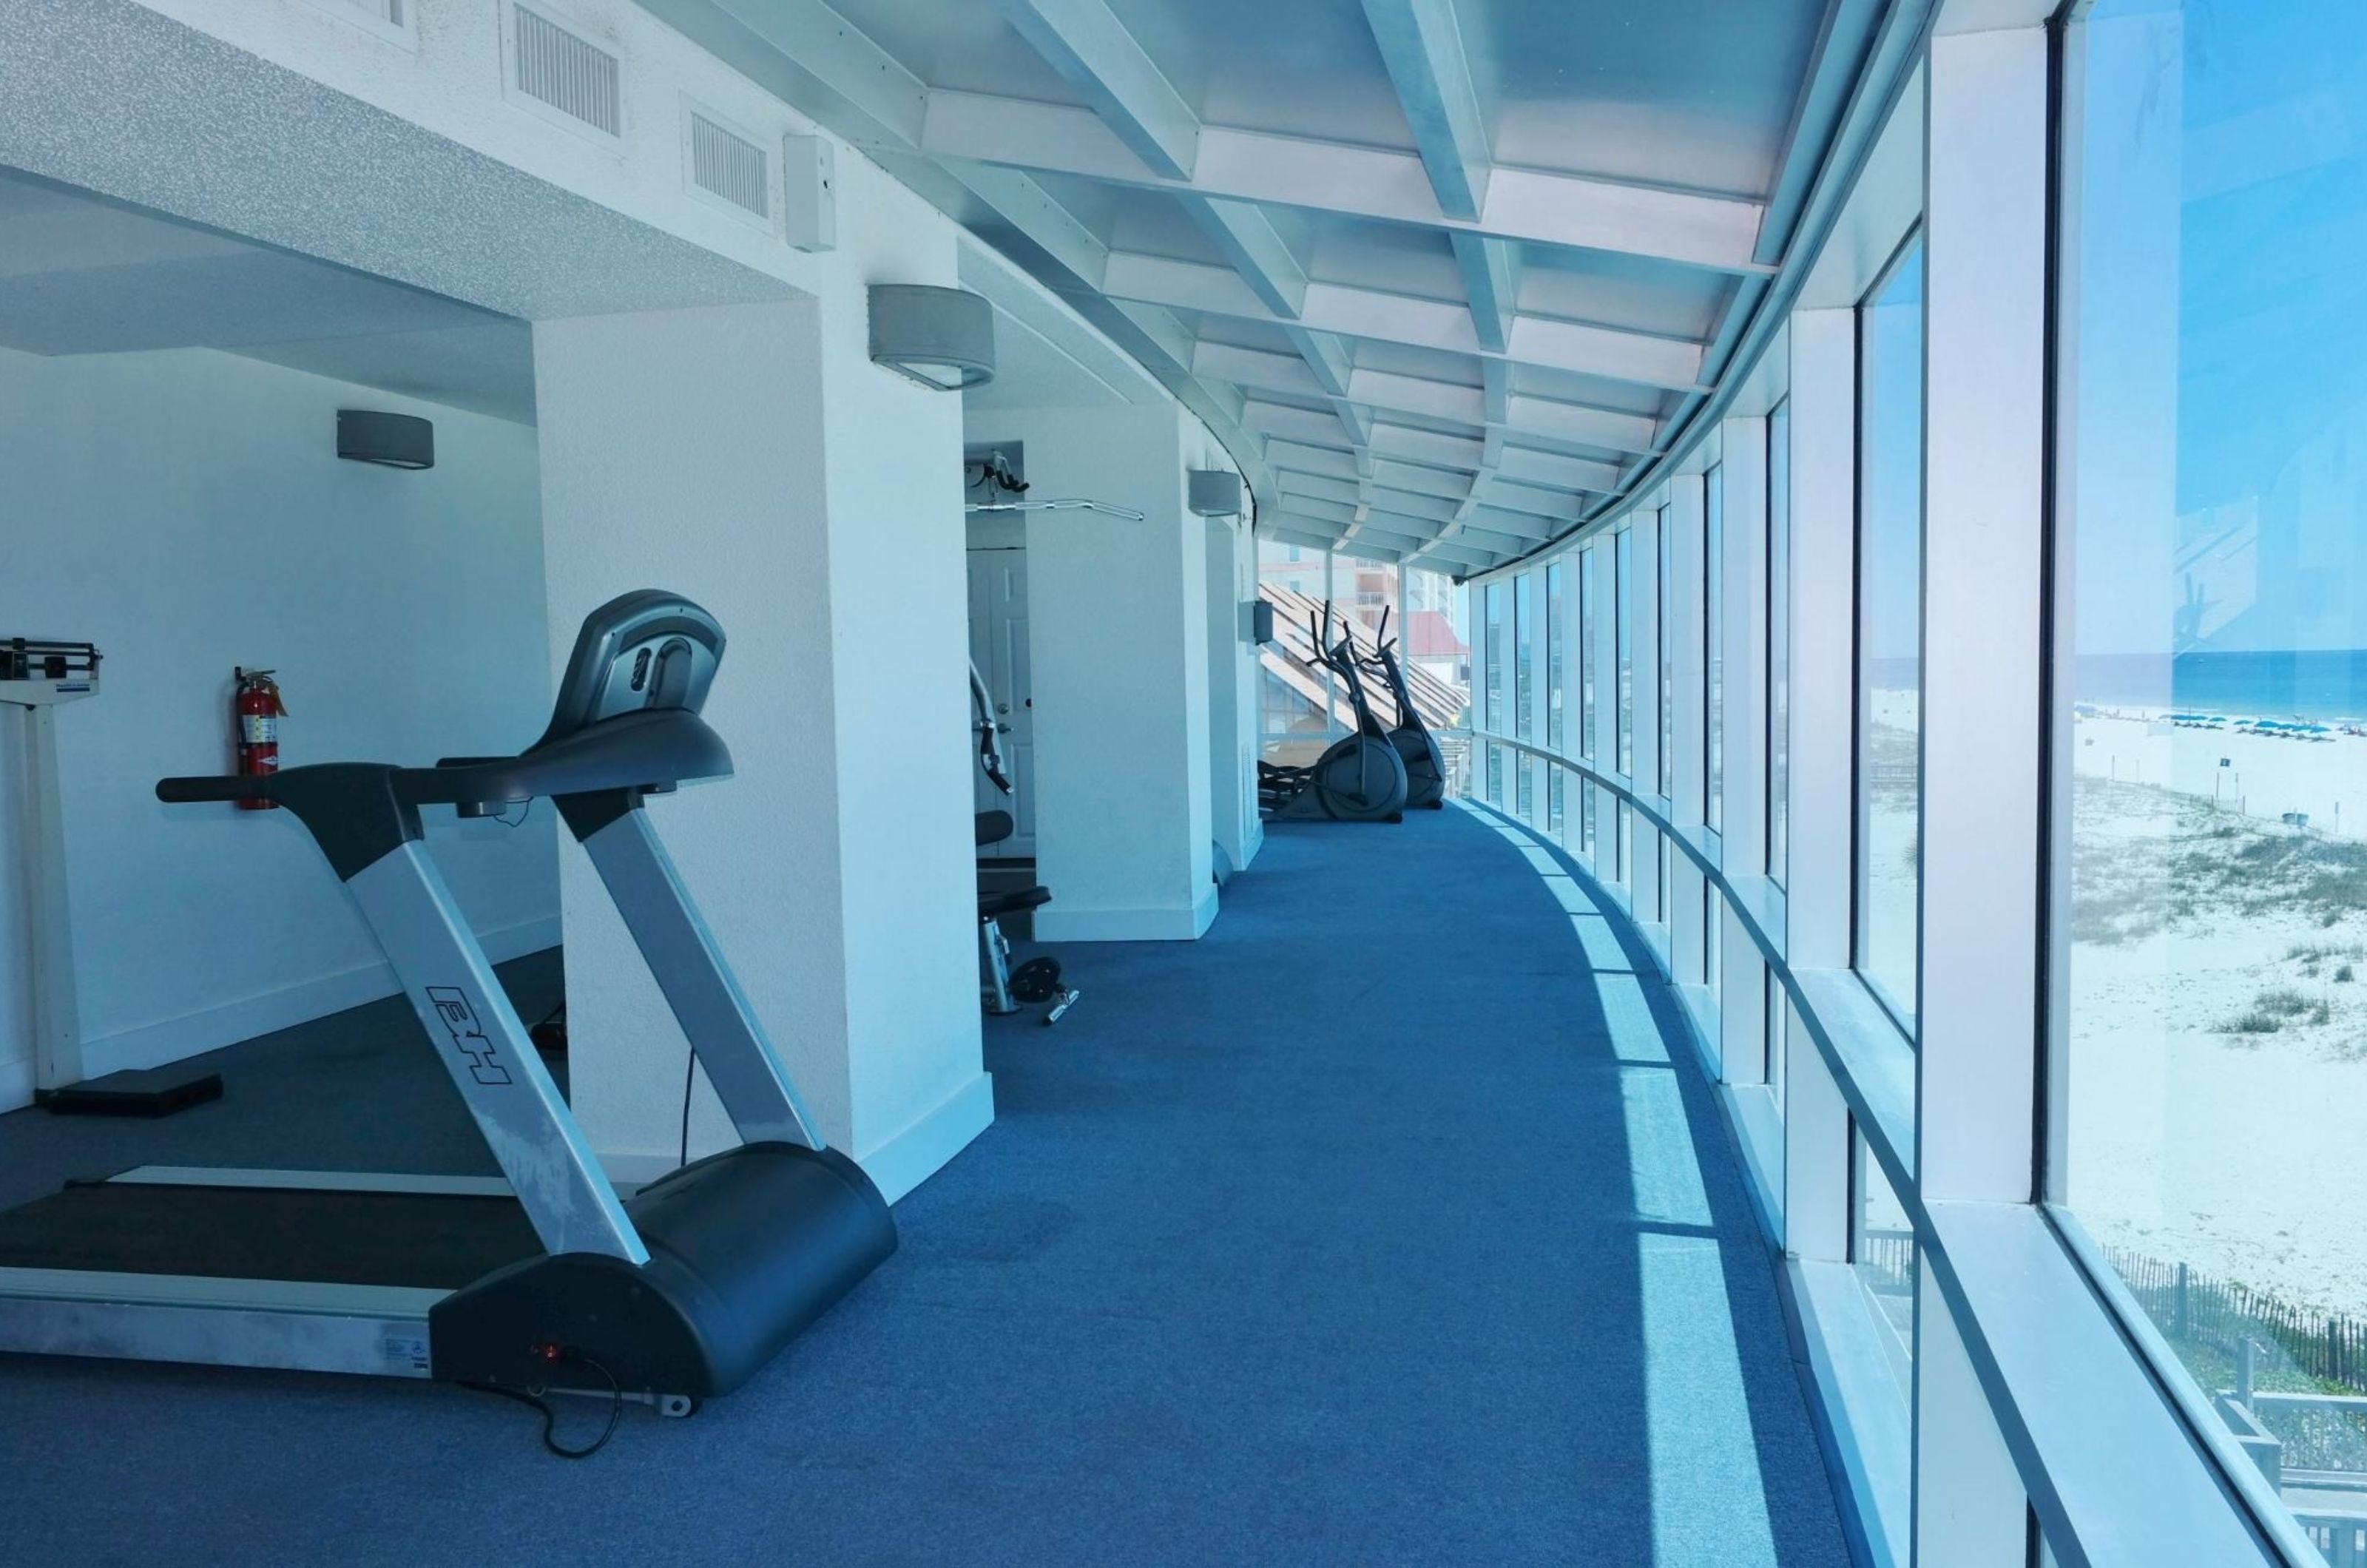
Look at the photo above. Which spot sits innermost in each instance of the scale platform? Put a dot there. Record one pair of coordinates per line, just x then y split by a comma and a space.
138, 1091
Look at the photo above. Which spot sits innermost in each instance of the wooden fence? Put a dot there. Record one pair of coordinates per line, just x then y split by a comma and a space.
2188, 1305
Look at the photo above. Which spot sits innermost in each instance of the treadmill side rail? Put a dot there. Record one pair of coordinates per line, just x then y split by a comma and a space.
294, 1325
478, 1036
740, 1060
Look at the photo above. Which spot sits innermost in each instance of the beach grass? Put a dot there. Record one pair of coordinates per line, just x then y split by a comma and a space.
2146, 859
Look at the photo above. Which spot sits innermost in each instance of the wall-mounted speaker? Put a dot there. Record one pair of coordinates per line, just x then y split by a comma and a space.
390, 440
1215, 493
1260, 615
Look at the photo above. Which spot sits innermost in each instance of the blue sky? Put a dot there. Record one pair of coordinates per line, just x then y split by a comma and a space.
2222, 303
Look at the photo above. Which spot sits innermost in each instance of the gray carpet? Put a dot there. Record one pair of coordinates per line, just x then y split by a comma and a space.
1378, 1227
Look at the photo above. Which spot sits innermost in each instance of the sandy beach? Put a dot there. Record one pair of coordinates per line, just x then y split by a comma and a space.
2259, 774
2218, 1017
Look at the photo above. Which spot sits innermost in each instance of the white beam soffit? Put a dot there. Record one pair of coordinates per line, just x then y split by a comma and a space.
1338, 291
1865, 57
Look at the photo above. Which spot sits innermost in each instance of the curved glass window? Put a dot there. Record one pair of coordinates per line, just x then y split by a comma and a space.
2212, 822
1890, 633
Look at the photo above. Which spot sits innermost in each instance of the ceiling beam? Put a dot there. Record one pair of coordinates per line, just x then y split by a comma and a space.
1320, 460
1319, 488
1388, 392
1247, 238
1324, 355
1349, 311
1086, 42
1490, 284
1285, 529
1528, 205
1421, 44
1305, 425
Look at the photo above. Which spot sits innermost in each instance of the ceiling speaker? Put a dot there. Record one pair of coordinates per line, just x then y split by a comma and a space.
390, 440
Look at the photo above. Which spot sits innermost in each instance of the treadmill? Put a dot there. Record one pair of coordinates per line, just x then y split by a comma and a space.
544, 1279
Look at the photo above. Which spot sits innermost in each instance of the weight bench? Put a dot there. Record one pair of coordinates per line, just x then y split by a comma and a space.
1001, 988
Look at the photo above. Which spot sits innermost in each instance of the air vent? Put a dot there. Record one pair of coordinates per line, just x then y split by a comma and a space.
390, 19
565, 76
725, 164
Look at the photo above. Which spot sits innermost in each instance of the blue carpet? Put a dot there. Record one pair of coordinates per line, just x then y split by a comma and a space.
1378, 1227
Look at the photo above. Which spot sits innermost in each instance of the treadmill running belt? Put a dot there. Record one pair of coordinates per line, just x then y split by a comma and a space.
425, 1240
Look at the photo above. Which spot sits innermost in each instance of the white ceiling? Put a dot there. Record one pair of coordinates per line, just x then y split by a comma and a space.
1446, 276
80, 275
83, 275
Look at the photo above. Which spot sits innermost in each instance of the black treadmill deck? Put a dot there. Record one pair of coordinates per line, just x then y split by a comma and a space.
426, 1240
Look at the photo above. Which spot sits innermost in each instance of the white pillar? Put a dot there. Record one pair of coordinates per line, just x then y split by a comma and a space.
1118, 652
1984, 553
1984, 719
1688, 749
693, 450
1742, 989
1644, 651
1232, 693
1824, 642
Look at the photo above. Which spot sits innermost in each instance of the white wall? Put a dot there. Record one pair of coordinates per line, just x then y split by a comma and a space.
186, 510
1118, 656
751, 458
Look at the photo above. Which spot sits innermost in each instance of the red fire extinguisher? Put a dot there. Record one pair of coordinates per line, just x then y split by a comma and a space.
256, 712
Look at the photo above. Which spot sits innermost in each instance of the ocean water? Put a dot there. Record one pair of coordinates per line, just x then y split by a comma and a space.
2317, 685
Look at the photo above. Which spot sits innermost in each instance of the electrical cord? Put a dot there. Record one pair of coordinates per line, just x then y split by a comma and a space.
689, 1077
533, 1400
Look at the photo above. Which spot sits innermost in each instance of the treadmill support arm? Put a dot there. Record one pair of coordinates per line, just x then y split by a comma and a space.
716, 1017
478, 1036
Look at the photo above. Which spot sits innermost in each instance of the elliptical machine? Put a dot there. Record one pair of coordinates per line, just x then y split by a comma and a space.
1359, 778
1425, 767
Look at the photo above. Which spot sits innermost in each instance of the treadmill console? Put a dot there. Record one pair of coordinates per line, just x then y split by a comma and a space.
641, 650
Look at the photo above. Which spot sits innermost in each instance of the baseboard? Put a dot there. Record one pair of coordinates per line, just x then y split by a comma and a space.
896, 1165
1054, 923
210, 1029
903, 1160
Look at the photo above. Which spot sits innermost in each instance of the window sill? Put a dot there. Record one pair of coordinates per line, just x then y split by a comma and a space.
2123, 1482
1871, 1061
1870, 1428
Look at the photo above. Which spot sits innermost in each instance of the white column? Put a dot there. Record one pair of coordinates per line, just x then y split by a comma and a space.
1118, 651
1643, 734
1986, 227
1232, 693
1984, 567
693, 450
1816, 1154
1742, 1010
1823, 681
1688, 945
1823, 590
1970, 1508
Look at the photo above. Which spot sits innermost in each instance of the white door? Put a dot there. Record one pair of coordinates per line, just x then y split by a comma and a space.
998, 645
